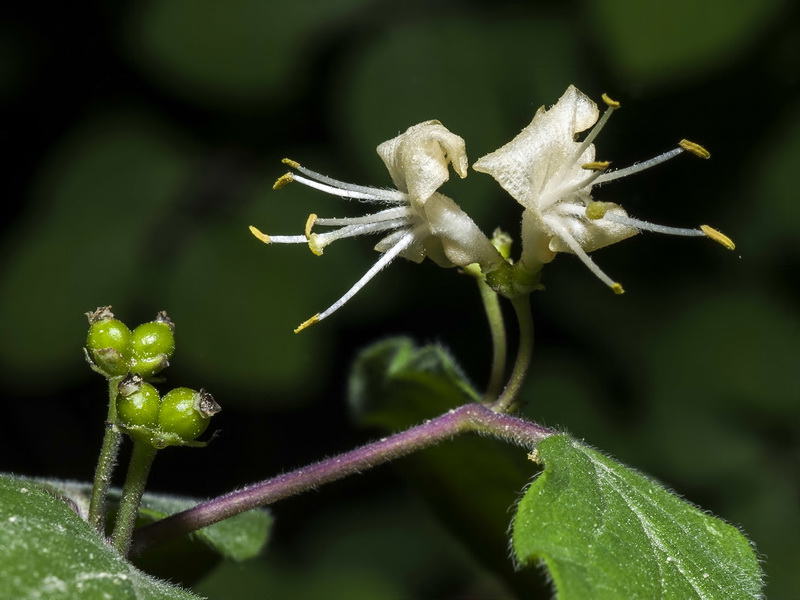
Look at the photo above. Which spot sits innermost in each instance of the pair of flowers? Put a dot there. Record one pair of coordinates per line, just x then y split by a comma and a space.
544, 168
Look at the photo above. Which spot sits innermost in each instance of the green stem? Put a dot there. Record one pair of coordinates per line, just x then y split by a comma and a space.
497, 328
106, 462
507, 400
138, 470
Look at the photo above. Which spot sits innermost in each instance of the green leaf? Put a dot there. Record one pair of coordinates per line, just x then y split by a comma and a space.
48, 551
605, 531
394, 381
239, 538
395, 385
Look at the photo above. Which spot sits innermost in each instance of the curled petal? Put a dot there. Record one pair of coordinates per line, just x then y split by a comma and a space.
418, 159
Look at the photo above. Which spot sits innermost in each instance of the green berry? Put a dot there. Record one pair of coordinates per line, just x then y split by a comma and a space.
147, 367
137, 406
107, 342
186, 413
152, 345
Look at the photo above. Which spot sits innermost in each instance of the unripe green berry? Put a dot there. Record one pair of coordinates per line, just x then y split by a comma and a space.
107, 342
110, 333
151, 346
147, 367
186, 413
138, 406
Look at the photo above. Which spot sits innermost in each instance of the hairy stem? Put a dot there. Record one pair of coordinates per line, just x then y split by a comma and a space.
507, 400
138, 470
469, 418
497, 328
106, 462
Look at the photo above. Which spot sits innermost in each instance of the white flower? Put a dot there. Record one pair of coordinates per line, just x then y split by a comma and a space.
552, 175
420, 221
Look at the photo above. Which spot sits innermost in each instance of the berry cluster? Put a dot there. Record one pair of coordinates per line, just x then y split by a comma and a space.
113, 350
129, 358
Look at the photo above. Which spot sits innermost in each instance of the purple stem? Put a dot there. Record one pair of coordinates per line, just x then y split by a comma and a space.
469, 418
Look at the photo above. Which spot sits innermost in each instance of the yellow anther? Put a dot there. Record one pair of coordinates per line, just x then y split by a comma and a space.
718, 237
596, 166
534, 456
695, 149
314, 245
312, 218
308, 323
291, 163
617, 288
611, 103
283, 180
260, 235
598, 210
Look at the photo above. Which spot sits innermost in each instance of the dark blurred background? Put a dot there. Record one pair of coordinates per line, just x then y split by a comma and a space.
142, 138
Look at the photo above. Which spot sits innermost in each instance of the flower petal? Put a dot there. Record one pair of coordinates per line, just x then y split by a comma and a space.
462, 242
593, 234
418, 159
526, 165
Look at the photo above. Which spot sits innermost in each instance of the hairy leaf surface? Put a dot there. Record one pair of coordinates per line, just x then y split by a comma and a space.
605, 531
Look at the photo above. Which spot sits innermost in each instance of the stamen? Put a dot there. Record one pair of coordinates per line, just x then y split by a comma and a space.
639, 166
287, 239
551, 196
597, 210
312, 218
563, 233
307, 323
372, 192
389, 213
596, 166
695, 149
718, 237
611, 103
318, 241
282, 181
260, 235
644, 225
383, 261
612, 106
277, 239
373, 195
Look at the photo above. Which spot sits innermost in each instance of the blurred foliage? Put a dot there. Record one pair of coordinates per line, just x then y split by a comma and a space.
666, 41
143, 138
